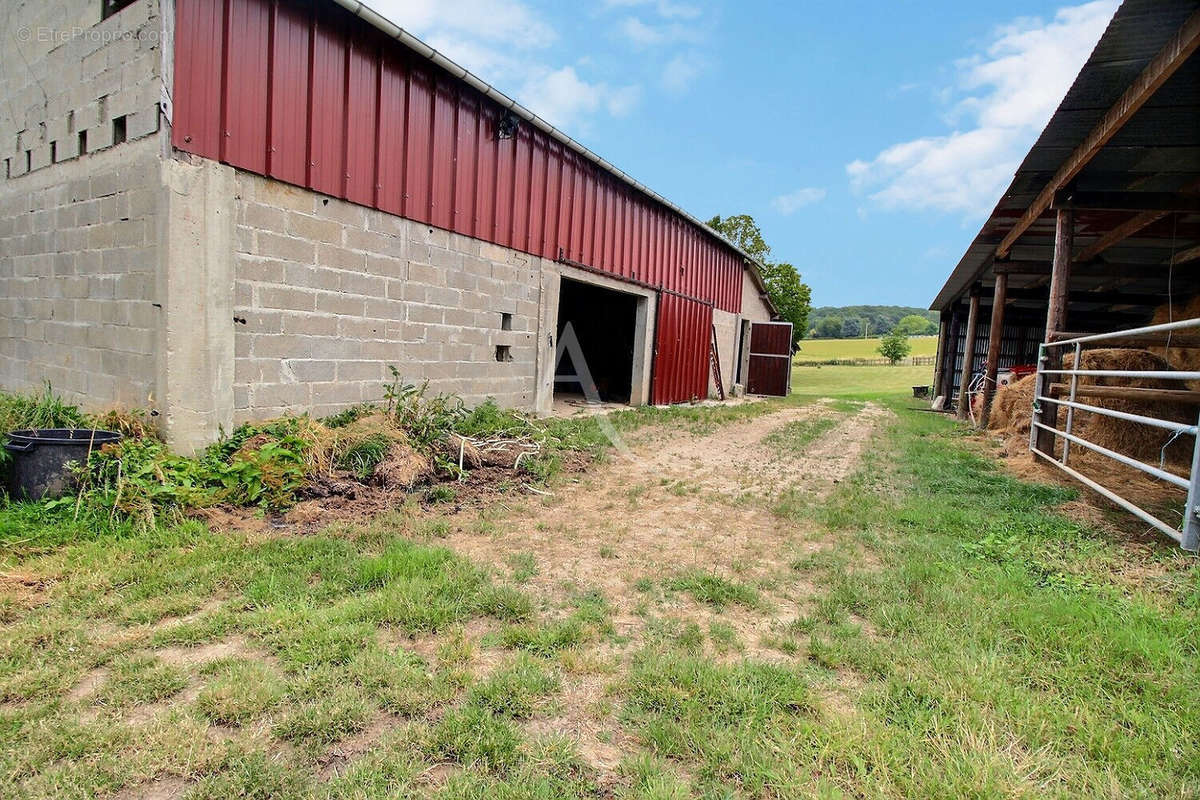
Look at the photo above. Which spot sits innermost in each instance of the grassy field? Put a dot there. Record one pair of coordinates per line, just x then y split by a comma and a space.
825, 349
869, 382
942, 630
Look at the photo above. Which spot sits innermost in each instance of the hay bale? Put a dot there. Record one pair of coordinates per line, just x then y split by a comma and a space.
1186, 359
1012, 408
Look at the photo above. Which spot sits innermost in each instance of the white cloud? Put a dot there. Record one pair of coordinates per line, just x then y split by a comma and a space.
792, 202
1007, 94
510, 22
664, 8
679, 73
504, 42
561, 95
643, 34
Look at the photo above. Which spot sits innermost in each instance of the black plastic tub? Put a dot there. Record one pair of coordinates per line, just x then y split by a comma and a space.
40, 459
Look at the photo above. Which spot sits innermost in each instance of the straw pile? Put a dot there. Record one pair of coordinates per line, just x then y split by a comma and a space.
1012, 405
1181, 358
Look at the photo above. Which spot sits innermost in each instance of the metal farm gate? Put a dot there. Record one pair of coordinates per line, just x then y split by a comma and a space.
770, 371
682, 335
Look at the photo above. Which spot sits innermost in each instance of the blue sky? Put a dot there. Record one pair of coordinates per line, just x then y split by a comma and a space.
869, 139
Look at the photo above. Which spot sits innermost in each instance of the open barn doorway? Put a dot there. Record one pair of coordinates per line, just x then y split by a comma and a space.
600, 328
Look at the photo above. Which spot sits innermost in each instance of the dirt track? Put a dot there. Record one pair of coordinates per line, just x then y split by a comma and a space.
679, 501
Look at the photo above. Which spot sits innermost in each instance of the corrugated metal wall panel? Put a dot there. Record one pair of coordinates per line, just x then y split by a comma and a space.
681, 346
522, 156
308, 94
466, 131
244, 138
390, 171
418, 125
485, 178
362, 134
327, 118
287, 146
198, 76
442, 161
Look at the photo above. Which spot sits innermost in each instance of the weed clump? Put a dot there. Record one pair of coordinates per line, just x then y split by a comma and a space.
412, 441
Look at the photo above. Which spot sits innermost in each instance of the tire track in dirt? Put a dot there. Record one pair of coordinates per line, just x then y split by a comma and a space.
682, 501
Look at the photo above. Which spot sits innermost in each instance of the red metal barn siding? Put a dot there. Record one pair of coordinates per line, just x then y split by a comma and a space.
309, 94
683, 331
287, 145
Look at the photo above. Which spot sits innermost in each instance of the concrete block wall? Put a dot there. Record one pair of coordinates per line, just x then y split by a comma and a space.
78, 258
328, 294
74, 83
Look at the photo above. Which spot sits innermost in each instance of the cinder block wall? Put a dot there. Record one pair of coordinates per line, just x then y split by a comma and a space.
78, 211
327, 294
74, 83
77, 277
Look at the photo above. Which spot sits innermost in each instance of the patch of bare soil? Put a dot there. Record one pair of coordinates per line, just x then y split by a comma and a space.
24, 588
339, 757
580, 717
88, 684
681, 501
165, 788
189, 657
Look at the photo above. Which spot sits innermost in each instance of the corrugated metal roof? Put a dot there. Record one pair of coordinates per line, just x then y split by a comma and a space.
390, 28
1157, 150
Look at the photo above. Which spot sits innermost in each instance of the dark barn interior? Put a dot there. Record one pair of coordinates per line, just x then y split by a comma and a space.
603, 321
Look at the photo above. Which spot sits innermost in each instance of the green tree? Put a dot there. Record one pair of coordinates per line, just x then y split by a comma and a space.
914, 325
791, 297
894, 347
829, 327
851, 328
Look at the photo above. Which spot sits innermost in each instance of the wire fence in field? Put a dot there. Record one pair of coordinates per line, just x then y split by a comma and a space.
911, 361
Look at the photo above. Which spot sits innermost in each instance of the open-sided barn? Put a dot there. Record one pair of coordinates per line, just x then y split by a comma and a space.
229, 209
1098, 233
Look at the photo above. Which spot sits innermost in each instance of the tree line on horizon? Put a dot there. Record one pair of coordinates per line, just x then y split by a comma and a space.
853, 322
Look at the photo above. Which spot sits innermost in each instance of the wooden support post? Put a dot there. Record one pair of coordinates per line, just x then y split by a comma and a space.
1056, 320
964, 402
939, 371
995, 335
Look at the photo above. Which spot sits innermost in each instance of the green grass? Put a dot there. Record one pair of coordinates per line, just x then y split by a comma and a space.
825, 349
794, 437
864, 383
713, 589
935, 628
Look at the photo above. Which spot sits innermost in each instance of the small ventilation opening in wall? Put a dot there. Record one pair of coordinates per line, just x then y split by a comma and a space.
505, 321
82, 142
54, 152
118, 129
503, 353
111, 7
